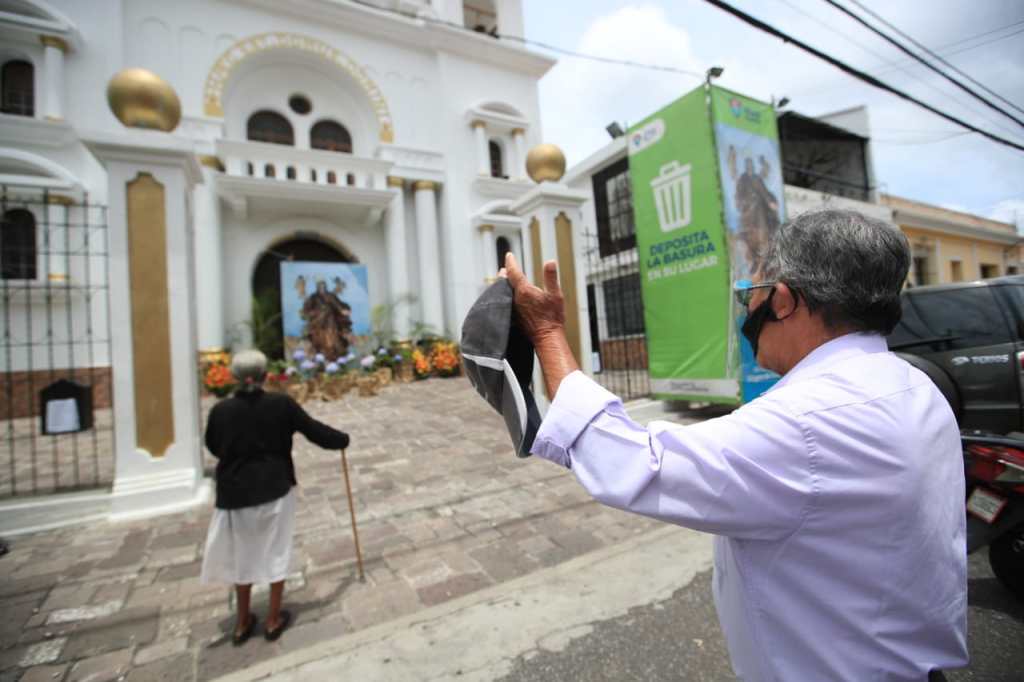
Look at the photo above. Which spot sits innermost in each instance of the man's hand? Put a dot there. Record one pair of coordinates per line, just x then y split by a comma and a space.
541, 313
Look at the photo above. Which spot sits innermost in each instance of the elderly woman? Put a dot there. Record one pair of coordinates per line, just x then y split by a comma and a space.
250, 537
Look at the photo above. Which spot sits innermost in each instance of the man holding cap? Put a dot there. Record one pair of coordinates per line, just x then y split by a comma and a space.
836, 497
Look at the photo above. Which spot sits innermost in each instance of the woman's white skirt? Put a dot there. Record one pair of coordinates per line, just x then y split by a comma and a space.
251, 544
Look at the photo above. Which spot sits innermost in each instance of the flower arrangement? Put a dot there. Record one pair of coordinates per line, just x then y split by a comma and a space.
218, 380
421, 364
444, 356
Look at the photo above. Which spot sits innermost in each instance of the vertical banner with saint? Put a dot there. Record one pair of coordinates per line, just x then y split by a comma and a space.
325, 307
750, 169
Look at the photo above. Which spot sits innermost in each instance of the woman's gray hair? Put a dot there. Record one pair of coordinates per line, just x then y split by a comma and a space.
844, 264
249, 367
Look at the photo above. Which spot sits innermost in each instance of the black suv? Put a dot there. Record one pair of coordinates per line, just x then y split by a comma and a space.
969, 338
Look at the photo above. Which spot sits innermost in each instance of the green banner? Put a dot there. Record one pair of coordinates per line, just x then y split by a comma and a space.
683, 259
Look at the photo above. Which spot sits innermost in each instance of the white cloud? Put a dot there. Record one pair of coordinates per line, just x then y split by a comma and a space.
1009, 211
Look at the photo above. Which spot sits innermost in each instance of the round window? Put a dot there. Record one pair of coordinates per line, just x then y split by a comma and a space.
300, 104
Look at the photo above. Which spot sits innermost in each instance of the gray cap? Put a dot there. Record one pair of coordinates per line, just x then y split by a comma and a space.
498, 358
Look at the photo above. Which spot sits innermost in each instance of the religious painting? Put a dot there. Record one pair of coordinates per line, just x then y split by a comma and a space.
325, 307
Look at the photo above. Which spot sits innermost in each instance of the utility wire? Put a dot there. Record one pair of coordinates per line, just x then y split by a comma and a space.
903, 48
970, 106
856, 73
937, 57
535, 43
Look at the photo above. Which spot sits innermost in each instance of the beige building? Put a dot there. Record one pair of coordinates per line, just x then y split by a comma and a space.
950, 246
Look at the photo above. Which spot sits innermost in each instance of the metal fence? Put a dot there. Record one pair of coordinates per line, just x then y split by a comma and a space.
54, 293
617, 336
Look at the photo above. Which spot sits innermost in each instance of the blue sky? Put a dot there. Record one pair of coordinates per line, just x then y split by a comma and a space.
917, 154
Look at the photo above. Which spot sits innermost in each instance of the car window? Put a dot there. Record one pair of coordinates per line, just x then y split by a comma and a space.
951, 320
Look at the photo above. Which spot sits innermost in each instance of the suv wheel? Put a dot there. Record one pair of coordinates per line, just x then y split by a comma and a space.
1006, 556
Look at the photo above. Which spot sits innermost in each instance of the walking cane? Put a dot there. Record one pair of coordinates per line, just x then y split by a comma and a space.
352, 514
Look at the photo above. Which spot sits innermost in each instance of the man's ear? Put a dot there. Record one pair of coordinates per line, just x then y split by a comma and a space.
784, 302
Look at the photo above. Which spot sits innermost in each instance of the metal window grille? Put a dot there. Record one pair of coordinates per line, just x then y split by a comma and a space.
56, 325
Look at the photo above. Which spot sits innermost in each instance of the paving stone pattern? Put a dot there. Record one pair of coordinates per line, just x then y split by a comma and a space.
444, 508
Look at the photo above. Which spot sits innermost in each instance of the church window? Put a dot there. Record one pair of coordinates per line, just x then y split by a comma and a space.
270, 126
350, 179
330, 136
497, 167
312, 174
300, 104
18, 244
18, 88
332, 178
269, 171
290, 173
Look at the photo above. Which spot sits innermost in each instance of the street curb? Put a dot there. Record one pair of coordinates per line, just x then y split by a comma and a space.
576, 571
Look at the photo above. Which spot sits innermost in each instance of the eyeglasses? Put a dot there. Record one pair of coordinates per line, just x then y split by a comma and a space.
743, 289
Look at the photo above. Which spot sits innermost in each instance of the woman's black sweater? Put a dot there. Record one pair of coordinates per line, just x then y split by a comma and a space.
251, 436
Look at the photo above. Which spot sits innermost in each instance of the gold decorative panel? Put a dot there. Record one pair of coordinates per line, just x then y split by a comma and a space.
567, 278
535, 253
150, 309
225, 64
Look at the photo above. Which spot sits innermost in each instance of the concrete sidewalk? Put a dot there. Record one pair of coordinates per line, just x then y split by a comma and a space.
478, 636
444, 508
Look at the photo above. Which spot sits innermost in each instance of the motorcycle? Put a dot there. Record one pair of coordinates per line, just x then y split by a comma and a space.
994, 467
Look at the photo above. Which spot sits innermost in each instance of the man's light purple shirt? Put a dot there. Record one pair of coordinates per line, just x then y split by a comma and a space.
838, 502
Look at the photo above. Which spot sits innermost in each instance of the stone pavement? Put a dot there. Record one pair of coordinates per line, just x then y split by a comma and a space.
444, 509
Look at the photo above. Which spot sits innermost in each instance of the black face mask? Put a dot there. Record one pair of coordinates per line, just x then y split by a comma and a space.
755, 321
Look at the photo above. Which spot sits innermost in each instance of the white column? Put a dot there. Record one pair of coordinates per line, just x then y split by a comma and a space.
209, 257
519, 169
489, 253
398, 275
483, 156
429, 253
53, 77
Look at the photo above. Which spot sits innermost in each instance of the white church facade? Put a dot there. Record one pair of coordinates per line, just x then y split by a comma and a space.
158, 161
382, 133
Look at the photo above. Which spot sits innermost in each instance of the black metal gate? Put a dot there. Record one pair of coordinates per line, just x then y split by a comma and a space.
617, 336
54, 293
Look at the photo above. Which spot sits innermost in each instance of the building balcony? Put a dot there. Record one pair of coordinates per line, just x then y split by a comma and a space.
271, 177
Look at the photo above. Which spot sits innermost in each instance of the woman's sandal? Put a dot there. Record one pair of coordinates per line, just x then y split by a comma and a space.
240, 639
272, 635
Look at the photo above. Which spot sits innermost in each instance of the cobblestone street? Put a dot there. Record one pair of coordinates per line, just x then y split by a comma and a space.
444, 509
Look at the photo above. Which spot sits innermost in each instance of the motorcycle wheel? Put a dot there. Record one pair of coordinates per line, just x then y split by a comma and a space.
1006, 556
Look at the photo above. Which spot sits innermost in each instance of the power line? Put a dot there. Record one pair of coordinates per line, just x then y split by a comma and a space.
899, 67
900, 46
937, 57
536, 43
867, 78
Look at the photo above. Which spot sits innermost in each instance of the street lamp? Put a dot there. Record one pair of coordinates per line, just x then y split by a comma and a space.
615, 130
714, 72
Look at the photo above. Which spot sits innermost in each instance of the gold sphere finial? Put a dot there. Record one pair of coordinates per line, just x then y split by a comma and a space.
142, 99
545, 162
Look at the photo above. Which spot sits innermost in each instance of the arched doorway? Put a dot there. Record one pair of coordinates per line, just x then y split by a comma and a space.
265, 316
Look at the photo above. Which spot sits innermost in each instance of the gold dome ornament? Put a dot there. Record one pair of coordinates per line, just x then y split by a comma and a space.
545, 162
142, 99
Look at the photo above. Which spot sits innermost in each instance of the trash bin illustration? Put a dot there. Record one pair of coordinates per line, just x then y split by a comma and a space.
672, 196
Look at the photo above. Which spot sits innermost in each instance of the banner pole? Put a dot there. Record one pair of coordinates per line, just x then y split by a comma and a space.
352, 515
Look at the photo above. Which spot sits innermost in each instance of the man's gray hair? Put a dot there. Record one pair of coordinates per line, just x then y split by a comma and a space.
249, 367
844, 264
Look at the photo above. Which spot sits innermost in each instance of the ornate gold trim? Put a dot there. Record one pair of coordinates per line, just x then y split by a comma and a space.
395, 182
246, 47
54, 41
60, 199
567, 278
424, 184
477, 123
55, 119
57, 277
485, 227
150, 310
211, 161
518, 131
535, 253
